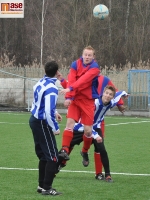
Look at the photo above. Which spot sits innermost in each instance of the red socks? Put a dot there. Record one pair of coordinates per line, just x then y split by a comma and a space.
98, 163
67, 138
86, 143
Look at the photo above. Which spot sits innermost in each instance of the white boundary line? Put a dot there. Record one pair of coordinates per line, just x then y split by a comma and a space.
126, 123
114, 117
23, 123
127, 174
11, 123
14, 113
105, 125
70, 171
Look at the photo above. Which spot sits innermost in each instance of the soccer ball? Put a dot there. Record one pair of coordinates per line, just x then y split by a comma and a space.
100, 11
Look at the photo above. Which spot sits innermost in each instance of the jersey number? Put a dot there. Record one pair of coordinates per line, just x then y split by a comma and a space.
37, 90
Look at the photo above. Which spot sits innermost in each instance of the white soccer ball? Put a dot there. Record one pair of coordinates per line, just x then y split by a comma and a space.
100, 11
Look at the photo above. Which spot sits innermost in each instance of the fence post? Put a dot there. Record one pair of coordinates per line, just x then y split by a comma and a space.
129, 89
28, 97
148, 91
24, 86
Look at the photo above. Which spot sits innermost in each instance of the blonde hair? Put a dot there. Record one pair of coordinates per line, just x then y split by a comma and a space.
90, 48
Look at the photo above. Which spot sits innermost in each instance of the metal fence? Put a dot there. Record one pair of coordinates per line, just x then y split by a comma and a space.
17, 91
16, 86
139, 89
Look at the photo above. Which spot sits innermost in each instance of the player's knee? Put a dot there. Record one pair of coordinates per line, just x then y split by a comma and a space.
70, 124
88, 133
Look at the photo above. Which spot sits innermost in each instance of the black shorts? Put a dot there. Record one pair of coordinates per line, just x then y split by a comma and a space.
78, 137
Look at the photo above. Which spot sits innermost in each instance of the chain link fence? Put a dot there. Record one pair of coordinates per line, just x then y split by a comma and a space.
16, 84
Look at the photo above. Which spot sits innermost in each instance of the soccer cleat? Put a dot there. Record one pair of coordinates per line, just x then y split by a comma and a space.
51, 192
63, 154
85, 157
39, 189
99, 176
108, 179
60, 167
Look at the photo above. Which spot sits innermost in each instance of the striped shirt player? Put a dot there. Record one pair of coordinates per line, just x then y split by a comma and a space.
44, 104
99, 148
44, 127
101, 109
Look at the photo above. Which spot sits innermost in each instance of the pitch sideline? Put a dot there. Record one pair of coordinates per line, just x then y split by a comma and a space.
70, 171
105, 125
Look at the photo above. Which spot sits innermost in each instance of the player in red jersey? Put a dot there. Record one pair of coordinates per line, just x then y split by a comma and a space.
77, 139
80, 95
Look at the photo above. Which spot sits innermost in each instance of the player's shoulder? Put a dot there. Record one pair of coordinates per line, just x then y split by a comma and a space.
74, 65
94, 64
103, 78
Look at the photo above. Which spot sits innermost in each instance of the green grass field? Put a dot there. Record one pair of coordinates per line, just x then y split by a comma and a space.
127, 141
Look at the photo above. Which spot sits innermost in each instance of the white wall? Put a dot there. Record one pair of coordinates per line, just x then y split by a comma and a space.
20, 90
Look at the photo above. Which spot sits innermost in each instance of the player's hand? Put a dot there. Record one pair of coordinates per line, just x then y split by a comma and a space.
99, 139
58, 117
126, 96
67, 103
121, 108
57, 132
64, 91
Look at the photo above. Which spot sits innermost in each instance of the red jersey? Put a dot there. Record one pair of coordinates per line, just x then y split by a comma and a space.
83, 80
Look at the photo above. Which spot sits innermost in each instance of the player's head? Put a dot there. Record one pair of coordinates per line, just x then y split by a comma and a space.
108, 94
88, 54
51, 69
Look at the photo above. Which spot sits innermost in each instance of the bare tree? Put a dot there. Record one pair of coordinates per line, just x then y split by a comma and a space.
110, 34
54, 29
44, 8
127, 17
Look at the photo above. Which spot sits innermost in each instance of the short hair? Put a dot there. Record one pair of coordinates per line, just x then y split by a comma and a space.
51, 68
90, 48
110, 87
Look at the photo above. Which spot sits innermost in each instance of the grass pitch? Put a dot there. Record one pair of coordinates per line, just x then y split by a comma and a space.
127, 143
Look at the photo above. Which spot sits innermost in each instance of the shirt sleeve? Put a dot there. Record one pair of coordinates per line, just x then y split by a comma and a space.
64, 83
85, 79
50, 110
94, 134
118, 96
